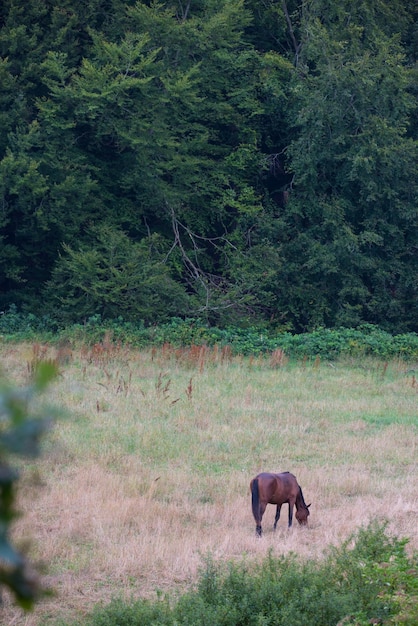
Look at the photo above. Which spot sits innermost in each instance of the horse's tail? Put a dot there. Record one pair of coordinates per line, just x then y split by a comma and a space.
255, 500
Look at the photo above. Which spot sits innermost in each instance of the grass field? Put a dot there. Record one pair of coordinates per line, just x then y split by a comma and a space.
149, 471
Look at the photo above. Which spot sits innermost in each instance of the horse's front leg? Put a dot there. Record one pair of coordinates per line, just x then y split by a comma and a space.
276, 519
291, 505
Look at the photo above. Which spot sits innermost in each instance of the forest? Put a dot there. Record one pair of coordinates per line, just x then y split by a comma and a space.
241, 162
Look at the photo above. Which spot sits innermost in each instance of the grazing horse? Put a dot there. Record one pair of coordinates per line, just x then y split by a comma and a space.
277, 489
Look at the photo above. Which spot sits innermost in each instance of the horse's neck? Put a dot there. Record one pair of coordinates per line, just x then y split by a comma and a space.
300, 502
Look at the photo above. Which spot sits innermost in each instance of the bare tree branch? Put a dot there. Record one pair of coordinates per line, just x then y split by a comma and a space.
184, 10
296, 46
208, 281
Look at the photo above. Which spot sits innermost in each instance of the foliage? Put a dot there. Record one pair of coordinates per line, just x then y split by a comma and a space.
114, 276
352, 194
366, 340
381, 574
372, 581
269, 149
21, 428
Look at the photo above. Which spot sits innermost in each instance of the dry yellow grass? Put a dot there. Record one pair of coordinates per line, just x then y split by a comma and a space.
150, 470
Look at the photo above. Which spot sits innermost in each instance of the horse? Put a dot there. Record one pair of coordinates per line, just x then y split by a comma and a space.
277, 489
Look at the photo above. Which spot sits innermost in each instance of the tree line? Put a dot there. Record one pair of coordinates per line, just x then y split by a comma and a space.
239, 161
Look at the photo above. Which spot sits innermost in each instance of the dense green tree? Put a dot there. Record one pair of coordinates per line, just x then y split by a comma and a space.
112, 276
46, 186
270, 147
167, 122
351, 225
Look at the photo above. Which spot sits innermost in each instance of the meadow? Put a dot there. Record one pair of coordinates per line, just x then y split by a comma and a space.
148, 471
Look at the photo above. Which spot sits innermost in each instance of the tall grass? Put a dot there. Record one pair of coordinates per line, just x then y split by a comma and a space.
149, 472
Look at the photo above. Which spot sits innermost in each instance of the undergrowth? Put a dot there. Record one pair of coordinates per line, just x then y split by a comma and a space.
366, 340
369, 579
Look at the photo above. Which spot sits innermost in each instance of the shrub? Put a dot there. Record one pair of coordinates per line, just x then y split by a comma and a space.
367, 340
369, 579
137, 613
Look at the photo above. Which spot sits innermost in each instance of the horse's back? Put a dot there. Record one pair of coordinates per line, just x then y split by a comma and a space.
277, 488
265, 476
289, 482
287, 478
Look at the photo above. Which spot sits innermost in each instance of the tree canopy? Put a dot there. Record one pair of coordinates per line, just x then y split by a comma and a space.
239, 161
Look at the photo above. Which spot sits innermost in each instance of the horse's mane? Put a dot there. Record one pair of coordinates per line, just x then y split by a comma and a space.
302, 498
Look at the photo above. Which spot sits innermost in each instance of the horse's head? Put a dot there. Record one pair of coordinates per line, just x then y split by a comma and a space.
302, 514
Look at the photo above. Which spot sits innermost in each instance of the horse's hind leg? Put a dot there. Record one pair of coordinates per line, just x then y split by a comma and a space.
258, 529
276, 519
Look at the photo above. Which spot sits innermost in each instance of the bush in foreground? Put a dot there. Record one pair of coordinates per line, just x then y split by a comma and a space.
368, 580
22, 424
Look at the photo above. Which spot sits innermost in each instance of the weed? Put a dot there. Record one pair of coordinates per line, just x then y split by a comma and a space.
189, 389
278, 358
162, 387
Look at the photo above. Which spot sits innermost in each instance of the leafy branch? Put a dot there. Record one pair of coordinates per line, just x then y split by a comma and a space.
21, 429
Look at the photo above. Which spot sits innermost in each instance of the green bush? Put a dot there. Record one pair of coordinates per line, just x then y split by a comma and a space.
366, 340
137, 613
281, 591
369, 579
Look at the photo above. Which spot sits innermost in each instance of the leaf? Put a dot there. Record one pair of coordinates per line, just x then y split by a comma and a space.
45, 372
24, 439
9, 555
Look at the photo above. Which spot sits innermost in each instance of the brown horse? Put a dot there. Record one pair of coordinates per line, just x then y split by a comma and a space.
277, 489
